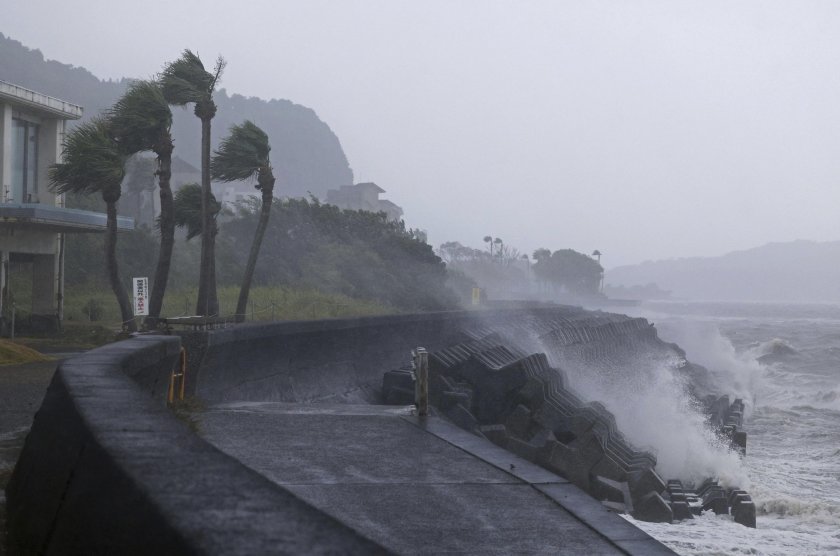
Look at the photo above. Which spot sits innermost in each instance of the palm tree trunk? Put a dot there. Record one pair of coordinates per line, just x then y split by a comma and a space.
208, 302
265, 210
126, 310
167, 234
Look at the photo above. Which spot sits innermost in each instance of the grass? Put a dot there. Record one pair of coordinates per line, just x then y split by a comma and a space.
186, 410
74, 336
85, 305
14, 353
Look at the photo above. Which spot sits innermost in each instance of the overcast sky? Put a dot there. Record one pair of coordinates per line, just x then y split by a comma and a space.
644, 129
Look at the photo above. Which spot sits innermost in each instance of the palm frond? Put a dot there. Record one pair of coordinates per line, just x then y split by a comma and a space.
92, 161
217, 71
140, 117
188, 208
185, 80
241, 154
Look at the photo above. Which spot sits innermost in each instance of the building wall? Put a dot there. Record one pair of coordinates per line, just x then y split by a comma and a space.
49, 151
5, 148
42, 243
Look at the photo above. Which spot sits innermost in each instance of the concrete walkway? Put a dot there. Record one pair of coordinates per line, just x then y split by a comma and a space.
418, 486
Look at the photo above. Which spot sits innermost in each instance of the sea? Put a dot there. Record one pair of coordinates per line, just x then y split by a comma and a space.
784, 362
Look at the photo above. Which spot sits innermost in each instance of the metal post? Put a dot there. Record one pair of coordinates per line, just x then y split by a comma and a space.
421, 384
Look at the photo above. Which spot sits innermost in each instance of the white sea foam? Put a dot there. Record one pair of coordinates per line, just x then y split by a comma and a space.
711, 534
734, 373
654, 411
771, 347
793, 448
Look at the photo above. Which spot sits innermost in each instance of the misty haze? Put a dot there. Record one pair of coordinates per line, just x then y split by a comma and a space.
478, 277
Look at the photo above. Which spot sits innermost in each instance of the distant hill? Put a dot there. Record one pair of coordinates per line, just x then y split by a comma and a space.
798, 271
306, 154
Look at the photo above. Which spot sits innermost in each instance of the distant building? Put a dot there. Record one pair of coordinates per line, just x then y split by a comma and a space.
237, 192
141, 194
33, 220
363, 196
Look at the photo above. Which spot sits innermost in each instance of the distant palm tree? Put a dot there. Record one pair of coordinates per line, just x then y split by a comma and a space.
185, 81
94, 163
141, 121
188, 210
244, 155
500, 244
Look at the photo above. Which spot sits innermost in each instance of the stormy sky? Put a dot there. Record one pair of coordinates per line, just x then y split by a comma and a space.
644, 129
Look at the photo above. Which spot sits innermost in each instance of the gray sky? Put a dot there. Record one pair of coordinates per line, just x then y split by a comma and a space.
644, 129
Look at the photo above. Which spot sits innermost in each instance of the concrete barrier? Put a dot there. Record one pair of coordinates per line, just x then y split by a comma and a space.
108, 469
327, 360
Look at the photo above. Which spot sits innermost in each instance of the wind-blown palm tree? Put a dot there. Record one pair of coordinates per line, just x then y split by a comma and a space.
185, 81
141, 121
244, 155
188, 210
94, 163
187, 213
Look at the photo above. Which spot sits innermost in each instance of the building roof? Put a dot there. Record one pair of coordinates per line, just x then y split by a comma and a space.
39, 102
182, 166
368, 185
57, 219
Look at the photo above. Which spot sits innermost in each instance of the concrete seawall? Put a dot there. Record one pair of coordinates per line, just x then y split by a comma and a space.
108, 469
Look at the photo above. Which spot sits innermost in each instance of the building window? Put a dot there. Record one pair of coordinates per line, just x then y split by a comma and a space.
24, 162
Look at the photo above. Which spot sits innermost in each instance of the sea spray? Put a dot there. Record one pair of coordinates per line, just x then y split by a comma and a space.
652, 406
733, 373
793, 460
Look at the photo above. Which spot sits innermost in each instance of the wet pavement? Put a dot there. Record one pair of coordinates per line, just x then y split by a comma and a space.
22, 388
417, 486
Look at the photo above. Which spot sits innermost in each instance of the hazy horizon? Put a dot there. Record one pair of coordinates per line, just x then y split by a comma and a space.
647, 130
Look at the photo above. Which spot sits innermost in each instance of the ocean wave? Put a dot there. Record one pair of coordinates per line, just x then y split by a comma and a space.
772, 351
786, 506
776, 345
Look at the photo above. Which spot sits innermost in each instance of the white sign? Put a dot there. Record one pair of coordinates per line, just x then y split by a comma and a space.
141, 296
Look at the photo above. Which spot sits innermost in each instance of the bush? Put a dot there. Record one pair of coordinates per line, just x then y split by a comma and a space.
93, 309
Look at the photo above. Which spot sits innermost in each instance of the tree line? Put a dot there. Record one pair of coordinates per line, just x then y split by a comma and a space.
95, 154
503, 269
307, 245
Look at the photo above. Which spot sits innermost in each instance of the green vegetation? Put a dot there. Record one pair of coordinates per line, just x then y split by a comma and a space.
316, 261
305, 150
267, 303
93, 162
185, 81
187, 411
359, 254
568, 270
13, 353
505, 272
307, 260
244, 155
141, 121
500, 270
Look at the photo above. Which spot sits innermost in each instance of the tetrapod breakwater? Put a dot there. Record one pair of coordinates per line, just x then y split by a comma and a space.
108, 468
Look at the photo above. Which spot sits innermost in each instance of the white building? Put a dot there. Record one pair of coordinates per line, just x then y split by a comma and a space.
33, 220
363, 196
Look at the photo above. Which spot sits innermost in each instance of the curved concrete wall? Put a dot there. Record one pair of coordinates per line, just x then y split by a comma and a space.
336, 360
107, 469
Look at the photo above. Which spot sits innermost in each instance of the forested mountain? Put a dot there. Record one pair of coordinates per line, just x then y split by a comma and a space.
306, 154
797, 271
